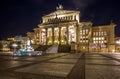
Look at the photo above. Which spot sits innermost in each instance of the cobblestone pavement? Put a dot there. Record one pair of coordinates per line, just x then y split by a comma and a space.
102, 66
50, 66
61, 66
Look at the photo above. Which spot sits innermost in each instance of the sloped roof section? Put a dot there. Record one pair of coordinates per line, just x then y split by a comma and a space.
60, 12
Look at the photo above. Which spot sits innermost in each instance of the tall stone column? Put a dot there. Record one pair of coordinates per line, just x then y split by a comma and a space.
46, 30
67, 28
53, 35
59, 35
40, 36
77, 34
35, 36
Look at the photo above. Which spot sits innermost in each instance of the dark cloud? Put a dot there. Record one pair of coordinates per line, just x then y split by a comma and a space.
83, 3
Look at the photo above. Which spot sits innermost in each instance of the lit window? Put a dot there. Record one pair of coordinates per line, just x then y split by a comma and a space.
80, 30
86, 30
105, 33
83, 37
86, 40
83, 33
99, 33
101, 41
105, 41
102, 38
96, 38
102, 33
83, 30
83, 40
99, 38
94, 41
96, 33
80, 40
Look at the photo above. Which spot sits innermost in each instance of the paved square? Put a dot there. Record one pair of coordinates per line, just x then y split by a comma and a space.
59, 60
101, 67
72, 56
61, 66
54, 69
102, 72
10, 64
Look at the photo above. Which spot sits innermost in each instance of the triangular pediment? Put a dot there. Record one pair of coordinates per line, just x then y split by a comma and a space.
61, 12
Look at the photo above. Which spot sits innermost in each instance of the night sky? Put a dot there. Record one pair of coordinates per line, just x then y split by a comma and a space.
17, 17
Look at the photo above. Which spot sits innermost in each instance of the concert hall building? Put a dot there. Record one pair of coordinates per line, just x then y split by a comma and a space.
63, 27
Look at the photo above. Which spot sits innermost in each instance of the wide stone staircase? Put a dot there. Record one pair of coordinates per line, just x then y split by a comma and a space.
42, 47
64, 49
54, 48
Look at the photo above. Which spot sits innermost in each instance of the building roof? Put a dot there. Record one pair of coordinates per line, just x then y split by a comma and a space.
60, 11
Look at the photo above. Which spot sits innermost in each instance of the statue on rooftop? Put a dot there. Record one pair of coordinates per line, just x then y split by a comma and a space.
60, 7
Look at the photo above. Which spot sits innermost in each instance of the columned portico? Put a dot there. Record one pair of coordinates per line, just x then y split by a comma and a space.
59, 35
64, 26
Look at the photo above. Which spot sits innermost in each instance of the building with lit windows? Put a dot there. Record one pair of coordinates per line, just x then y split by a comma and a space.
63, 27
117, 42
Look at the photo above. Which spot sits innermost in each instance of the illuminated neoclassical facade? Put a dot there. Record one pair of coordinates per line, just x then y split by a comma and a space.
64, 26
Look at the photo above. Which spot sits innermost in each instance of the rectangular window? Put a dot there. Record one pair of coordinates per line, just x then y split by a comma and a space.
86, 40
94, 41
94, 38
102, 33
105, 33
96, 33
99, 33
80, 40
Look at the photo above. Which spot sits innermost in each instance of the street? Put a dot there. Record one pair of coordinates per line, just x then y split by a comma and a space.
61, 66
